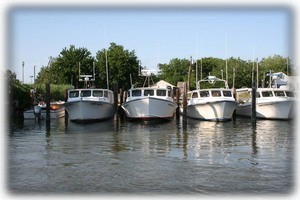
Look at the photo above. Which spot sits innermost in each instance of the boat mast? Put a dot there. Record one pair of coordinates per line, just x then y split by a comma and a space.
253, 64
287, 66
189, 73
106, 64
196, 59
226, 70
257, 72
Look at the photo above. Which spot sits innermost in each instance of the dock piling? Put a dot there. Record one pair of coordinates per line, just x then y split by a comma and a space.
234, 96
47, 98
177, 95
184, 99
253, 95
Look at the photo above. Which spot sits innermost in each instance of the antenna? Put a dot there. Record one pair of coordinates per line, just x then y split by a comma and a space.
106, 64
158, 46
94, 74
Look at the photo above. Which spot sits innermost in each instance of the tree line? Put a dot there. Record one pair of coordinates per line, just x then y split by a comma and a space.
122, 64
63, 71
239, 72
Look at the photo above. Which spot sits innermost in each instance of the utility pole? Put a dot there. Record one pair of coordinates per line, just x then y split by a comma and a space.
34, 74
23, 71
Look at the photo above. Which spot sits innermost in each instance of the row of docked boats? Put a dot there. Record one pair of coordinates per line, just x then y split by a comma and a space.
154, 102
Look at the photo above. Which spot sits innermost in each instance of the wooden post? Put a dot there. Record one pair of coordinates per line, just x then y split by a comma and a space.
253, 94
121, 100
234, 96
189, 73
177, 102
66, 113
125, 93
47, 105
234, 93
47, 101
116, 100
121, 96
184, 98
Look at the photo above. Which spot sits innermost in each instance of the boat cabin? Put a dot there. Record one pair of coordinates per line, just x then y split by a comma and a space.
92, 94
274, 93
157, 92
209, 93
245, 94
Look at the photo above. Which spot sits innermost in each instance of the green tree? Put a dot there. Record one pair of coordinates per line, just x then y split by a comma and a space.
175, 71
17, 93
121, 64
44, 76
65, 68
275, 63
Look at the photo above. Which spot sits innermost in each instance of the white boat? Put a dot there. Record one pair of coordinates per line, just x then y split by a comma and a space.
149, 103
277, 101
271, 103
57, 110
90, 104
214, 104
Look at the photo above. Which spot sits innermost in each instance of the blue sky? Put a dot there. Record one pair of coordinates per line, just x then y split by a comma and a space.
156, 34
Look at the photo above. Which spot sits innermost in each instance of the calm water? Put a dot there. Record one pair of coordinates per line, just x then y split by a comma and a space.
112, 157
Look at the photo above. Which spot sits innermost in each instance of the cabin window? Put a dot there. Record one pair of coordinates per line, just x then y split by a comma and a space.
105, 94
161, 93
195, 95
257, 95
136, 93
74, 94
267, 94
148, 92
279, 93
216, 93
204, 94
85, 93
290, 94
227, 94
98, 93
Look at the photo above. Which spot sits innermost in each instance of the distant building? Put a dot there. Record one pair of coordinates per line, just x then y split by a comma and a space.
163, 84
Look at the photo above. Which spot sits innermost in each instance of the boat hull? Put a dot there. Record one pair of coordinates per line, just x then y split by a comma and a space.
29, 114
282, 110
89, 110
149, 108
212, 111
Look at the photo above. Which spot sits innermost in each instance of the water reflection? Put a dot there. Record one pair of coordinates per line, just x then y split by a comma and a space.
177, 156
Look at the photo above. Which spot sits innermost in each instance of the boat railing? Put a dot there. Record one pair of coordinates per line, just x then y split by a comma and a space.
212, 80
